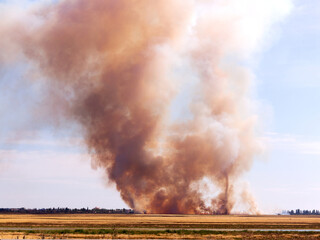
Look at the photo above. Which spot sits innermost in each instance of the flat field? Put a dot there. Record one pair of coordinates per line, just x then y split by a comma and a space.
158, 226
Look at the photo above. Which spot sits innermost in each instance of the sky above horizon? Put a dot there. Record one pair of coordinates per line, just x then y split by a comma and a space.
48, 168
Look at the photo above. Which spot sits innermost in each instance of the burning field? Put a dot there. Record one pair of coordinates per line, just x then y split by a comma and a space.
161, 92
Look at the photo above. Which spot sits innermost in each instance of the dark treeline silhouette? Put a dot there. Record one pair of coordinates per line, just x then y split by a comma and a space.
303, 212
66, 210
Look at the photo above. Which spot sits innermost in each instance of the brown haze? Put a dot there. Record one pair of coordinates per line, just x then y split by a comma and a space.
110, 66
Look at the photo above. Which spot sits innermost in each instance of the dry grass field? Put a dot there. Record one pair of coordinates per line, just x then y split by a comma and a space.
160, 221
13, 226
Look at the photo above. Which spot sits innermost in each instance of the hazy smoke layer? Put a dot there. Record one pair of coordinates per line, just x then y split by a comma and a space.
116, 66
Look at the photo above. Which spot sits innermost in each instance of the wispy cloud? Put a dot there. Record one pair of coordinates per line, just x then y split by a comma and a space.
292, 189
37, 142
295, 143
49, 167
52, 176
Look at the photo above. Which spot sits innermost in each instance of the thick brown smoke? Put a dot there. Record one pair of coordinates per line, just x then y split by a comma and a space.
110, 66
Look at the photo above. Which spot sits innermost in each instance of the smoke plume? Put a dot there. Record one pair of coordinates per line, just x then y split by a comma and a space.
116, 67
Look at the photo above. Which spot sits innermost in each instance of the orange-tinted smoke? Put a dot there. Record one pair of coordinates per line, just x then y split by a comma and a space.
108, 64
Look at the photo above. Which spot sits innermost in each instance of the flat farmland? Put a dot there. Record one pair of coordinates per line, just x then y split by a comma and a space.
160, 221
136, 226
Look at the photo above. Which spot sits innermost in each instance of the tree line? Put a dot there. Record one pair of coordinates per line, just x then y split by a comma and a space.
303, 212
66, 210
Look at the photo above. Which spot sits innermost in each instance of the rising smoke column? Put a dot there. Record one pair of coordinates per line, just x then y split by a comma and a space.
109, 66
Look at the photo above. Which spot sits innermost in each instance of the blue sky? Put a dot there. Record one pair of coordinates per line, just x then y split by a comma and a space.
288, 88
48, 169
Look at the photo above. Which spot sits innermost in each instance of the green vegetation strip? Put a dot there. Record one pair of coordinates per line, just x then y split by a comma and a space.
153, 232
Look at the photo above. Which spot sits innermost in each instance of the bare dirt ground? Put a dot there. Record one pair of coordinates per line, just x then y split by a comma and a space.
91, 226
